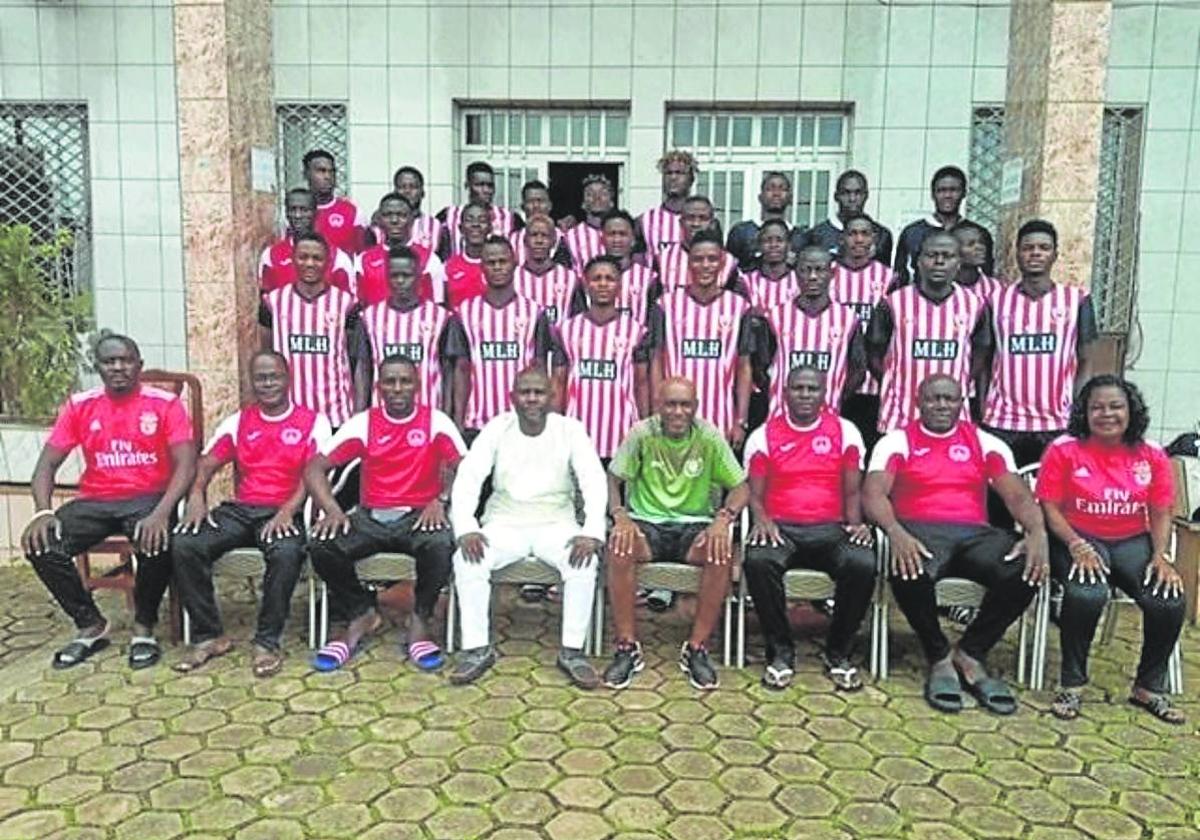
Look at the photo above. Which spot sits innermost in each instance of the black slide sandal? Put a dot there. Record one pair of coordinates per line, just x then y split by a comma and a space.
77, 652
144, 652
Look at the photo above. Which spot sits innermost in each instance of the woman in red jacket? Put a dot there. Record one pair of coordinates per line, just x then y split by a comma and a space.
1107, 495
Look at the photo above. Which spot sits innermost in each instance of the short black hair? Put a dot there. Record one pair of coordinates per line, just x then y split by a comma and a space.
1139, 415
617, 213
1038, 226
949, 172
596, 178
496, 239
774, 173
602, 259
847, 175
107, 335
273, 354
311, 236
395, 196
475, 203
408, 170
779, 223
535, 184
480, 166
304, 191
316, 154
700, 199
937, 234
989, 244
805, 367
401, 252
707, 236
855, 217
397, 359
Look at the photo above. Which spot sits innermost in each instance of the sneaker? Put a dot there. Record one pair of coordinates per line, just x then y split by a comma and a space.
695, 663
962, 616
842, 673
627, 662
779, 672
660, 600
533, 593
472, 664
574, 664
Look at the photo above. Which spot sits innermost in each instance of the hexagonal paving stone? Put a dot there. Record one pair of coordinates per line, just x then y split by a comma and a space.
180, 794
748, 782
969, 789
636, 812
29, 824
754, 817
421, 771
222, 815
581, 792
106, 809
1038, 806
920, 802
471, 788
584, 762
870, 818
694, 827
577, 826
844, 756
637, 779
523, 807
482, 757
293, 799
989, 821
272, 829
795, 767
456, 823
151, 825
689, 764
1107, 824
694, 796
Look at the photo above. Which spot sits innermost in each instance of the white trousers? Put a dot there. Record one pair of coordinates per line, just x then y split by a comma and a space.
506, 545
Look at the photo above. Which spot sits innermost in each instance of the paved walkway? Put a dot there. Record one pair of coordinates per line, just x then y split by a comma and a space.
380, 751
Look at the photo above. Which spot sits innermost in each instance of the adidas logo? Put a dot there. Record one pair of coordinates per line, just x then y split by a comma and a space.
1082, 472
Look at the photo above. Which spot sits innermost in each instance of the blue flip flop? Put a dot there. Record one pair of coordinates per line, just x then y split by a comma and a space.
426, 655
332, 656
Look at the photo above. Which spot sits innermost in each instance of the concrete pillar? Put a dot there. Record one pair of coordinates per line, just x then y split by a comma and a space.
224, 100
1057, 59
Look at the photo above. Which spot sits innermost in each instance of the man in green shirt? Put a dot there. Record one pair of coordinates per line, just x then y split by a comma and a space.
672, 464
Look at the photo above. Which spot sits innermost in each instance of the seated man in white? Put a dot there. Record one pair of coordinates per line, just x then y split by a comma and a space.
537, 461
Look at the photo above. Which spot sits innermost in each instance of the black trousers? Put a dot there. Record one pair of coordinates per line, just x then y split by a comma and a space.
334, 560
85, 523
1082, 604
975, 552
238, 526
1027, 448
863, 411
826, 548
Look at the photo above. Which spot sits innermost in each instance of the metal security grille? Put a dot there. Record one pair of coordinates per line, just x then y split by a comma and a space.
987, 158
521, 143
304, 126
44, 179
734, 149
1114, 260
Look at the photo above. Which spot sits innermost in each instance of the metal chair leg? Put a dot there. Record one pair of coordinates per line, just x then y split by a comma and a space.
187, 627
323, 635
727, 646
312, 612
451, 617
741, 623
598, 618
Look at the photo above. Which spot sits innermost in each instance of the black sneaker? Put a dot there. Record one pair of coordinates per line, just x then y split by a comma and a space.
574, 664
779, 672
472, 665
695, 663
627, 662
533, 593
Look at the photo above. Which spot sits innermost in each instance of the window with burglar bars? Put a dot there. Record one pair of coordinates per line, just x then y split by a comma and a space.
45, 180
987, 159
1114, 258
520, 143
304, 126
734, 149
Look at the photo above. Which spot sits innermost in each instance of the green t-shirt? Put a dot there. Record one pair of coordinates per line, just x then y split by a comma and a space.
673, 480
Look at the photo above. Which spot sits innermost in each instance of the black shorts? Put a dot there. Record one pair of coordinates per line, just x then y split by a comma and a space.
670, 541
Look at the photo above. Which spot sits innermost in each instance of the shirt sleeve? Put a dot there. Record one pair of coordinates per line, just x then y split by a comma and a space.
474, 468
982, 337
321, 432
447, 437
546, 341
1162, 478
358, 346
727, 472
453, 343
1051, 485
349, 442
265, 318
222, 446
883, 244
644, 347
178, 424
853, 448
746, 333
264, 264
657, 323
65, 434
889, 453
997, 456
1088, 331
756, 456
879, 330
627, 462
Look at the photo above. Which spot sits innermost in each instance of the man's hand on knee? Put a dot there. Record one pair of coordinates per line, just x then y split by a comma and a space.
472, 546
43, 529
583, 549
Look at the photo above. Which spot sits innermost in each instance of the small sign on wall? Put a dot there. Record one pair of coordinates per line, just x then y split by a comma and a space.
1012, 174
262, 169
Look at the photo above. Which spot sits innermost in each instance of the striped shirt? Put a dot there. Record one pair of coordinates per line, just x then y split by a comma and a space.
768, 292
986, 286
415, 334
503, 223
822, 341
521, 253
600, 381
551, 291
862, 289
703, 342
277, 267
312, 336
673, 266
426, 231
584, 242
502, 344
928, 337
1035, 358
659, 227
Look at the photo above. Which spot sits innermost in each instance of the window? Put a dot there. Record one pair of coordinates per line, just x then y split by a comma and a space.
304, 126
1114, 258
987, 159
44, 179
734, 148
521, 143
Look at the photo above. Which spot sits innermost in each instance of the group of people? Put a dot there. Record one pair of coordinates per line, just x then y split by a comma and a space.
619, 389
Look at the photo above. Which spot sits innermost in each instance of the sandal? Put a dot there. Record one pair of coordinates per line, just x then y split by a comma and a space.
332, 656
144, 652
267, 663
203, 652
426, 655
1161, 707
1067, 704
993, 694
79, 650
943, 691
843, 675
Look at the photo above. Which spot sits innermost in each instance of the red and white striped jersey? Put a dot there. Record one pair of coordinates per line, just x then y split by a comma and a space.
311, 335
415, 334
551, 291
426, 231
1035, 358
503, 223
600, 382
673, 266
768, 292
517, 240
502, 345
343, 224
861, 290
636, 282
821, 341
584, 242
660, 227
701, 343
927, 337
986, 286
276, 268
